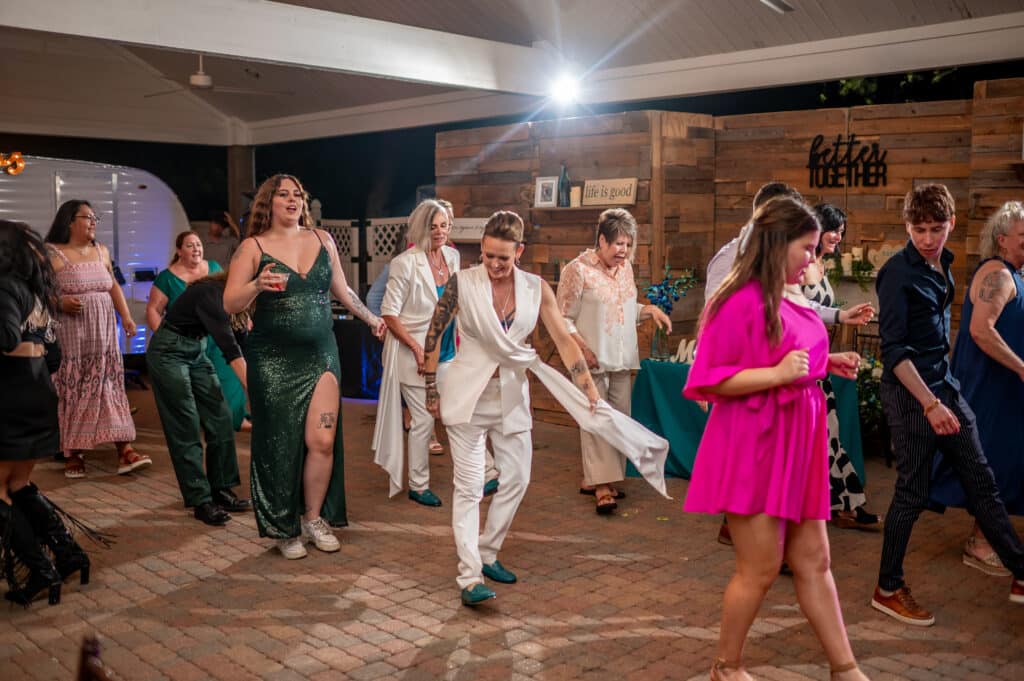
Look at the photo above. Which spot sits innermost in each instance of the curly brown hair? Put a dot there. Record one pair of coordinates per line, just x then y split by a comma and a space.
259, 214
928, 203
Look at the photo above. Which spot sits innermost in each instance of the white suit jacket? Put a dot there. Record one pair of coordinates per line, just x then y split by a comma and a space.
411, 296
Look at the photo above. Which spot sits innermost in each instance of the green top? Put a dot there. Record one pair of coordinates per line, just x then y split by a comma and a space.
171, 285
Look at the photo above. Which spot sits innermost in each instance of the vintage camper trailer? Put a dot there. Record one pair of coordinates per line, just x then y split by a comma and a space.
139, 217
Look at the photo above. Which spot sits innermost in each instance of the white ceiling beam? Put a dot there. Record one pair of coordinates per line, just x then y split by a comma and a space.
272, 32
957, 43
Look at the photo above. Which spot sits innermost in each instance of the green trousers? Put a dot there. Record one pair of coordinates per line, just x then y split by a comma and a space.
189, 400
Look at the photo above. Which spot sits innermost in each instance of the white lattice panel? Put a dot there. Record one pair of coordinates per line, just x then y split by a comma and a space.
346, 236
380, 236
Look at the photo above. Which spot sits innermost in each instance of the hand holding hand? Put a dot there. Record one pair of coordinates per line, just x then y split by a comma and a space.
590, 358
71, 304
857, 315
129, 327
379, 329
796, 364
844, 364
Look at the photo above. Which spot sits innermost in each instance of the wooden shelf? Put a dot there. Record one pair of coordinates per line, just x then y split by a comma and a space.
570, 208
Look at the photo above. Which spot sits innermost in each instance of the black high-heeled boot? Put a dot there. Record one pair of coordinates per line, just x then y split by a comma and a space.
50, 530
20, 544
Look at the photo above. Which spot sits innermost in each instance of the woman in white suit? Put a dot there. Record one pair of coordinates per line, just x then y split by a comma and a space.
416, 281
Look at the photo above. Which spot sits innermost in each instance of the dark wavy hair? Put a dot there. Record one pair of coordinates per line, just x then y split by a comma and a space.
775, 225
23, 257
60, 230
180, 239
259, 214
831, 218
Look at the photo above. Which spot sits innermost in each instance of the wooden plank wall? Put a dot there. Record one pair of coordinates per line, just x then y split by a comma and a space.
698, 174
996, 129
925, 142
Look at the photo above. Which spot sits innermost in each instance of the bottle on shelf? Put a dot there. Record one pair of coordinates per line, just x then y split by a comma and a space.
563, 187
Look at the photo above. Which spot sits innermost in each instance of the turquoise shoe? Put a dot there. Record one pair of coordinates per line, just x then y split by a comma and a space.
497, 572
426, 497
477, 594
490, 487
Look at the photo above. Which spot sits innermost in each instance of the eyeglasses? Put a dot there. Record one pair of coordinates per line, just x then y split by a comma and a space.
91, 218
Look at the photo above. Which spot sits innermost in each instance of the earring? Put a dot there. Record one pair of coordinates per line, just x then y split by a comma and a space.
517, 262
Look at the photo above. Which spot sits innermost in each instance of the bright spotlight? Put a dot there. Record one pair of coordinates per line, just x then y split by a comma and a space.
565, 90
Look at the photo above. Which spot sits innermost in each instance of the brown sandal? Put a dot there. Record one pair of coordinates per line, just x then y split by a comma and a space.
74, 466
721, 665
606, 504
848, 667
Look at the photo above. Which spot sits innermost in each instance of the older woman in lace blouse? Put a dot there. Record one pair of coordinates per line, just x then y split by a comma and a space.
598, 299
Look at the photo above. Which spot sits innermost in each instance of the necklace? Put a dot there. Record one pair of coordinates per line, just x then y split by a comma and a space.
82, 250
503, 314
439, 265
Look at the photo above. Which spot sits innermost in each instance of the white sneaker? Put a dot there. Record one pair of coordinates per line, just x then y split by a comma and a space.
319, 532
292, 548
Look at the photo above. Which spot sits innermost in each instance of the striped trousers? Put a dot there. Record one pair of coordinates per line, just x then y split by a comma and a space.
914, 444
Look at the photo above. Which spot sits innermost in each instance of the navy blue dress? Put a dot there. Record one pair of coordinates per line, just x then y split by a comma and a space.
996, 395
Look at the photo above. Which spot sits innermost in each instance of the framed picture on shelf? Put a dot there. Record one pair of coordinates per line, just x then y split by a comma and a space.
545, 193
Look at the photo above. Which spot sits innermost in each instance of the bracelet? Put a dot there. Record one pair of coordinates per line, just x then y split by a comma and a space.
931, 406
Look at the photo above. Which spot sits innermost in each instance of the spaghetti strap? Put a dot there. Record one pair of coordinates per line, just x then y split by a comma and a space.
99, 254
259, 245
59, 253
317, 235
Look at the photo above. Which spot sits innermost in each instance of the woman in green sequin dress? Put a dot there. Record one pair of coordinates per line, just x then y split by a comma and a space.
298, 477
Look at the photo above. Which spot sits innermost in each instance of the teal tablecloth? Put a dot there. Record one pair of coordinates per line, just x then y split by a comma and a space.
659, 405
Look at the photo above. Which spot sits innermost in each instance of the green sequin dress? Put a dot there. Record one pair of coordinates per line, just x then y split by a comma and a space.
290, 348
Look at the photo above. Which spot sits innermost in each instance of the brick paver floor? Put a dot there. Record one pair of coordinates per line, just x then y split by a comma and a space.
633, 596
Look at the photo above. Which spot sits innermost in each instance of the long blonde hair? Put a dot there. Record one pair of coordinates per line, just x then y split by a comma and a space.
762, 257
259, 216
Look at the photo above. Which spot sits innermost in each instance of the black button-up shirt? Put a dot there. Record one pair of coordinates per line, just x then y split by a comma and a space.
913, 316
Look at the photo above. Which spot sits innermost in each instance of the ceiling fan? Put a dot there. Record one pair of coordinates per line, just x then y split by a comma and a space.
201, 80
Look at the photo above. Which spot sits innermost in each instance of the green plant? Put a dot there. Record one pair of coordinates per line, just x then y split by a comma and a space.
861, 271
869, 404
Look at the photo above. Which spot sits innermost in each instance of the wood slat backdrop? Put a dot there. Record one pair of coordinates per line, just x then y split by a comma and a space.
697, 175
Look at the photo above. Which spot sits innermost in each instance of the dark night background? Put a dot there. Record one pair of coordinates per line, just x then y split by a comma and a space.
376, 174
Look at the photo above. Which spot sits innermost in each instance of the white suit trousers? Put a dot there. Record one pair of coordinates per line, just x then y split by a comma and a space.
602, 463
513, 455
421, 429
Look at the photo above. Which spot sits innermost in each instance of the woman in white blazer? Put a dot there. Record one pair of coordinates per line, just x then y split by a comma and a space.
415, 283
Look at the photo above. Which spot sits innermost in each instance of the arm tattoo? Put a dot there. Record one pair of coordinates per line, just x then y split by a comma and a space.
443, 314
328, 419
430, 377
579, 367
357, 308
990, 287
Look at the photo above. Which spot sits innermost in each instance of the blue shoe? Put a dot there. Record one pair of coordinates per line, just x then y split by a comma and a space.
476, 595
426, 497
490, 487
497, 572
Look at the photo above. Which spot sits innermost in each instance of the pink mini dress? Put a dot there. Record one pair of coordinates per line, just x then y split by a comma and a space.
766, 452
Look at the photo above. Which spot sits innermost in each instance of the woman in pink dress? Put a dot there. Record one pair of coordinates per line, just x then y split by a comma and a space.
93, 408
763, 460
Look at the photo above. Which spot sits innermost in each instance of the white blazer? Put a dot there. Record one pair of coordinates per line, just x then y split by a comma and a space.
411, 296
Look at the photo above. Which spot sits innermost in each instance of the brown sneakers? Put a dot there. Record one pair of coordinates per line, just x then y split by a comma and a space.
902, 606
1017, 591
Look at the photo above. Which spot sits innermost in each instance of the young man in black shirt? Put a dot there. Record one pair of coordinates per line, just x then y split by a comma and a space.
922, 402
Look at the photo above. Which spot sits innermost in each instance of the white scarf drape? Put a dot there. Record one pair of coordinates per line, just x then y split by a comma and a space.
485, 345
